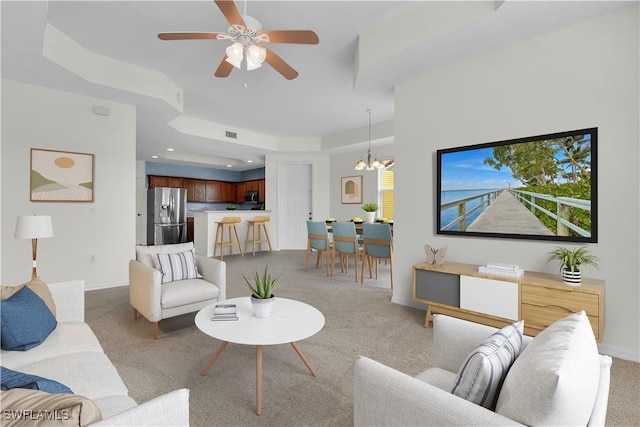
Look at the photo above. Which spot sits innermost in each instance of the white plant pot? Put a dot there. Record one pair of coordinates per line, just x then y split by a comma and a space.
371, 217
571, 278
262, 307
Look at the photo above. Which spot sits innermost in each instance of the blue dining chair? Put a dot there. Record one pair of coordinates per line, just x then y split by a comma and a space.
318, 240
345, 243
377, 244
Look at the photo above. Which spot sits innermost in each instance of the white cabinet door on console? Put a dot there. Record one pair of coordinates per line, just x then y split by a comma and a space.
494, 297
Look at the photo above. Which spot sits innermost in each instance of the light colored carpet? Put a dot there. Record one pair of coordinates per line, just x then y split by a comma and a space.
360, 319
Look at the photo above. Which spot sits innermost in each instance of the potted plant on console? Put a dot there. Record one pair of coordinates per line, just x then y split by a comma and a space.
262, 296
370, 209
570, 262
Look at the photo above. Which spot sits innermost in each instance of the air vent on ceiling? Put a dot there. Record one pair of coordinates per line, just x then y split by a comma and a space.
230, 134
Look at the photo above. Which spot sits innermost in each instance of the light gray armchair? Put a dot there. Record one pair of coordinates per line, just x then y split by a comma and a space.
386, 397
155, 300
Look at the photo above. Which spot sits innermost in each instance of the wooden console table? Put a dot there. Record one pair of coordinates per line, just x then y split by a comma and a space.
459, 290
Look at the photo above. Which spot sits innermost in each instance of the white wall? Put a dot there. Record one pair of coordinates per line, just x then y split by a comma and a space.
582, 76
43, 118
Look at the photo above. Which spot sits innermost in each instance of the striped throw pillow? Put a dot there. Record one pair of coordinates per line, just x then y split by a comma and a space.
484, 370
177, 266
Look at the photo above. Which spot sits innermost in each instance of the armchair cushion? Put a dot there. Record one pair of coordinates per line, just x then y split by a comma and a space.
556, 378
25, 320
177, 266
482, 373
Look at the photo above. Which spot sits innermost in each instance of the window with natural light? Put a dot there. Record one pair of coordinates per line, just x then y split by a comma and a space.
385, 189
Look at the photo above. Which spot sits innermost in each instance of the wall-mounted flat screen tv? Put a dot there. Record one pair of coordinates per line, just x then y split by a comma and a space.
540, 188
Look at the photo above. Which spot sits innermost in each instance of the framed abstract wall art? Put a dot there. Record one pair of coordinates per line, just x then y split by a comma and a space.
61, 176
351, 189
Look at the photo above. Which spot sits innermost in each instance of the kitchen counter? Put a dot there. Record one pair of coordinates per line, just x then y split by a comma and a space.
204, 236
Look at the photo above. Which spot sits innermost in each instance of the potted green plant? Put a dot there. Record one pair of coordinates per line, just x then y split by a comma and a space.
570, 262
370, 209
262, 296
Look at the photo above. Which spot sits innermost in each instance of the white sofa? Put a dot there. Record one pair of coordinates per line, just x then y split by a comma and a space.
386, 397
156, 300
72, 355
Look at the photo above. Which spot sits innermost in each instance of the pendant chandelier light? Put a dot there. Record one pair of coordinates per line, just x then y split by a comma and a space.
372, 163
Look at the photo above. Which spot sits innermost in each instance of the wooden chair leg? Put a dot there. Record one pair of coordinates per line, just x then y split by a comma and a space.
155, 330
135, 313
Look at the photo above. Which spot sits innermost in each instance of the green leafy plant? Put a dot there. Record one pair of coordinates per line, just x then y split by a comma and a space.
370, 207
264, 284
231, 207
572, 259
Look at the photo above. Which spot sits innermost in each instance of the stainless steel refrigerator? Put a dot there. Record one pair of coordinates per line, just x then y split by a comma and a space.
166, 215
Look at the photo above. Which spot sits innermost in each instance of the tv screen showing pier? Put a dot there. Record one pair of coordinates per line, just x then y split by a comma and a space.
540, 188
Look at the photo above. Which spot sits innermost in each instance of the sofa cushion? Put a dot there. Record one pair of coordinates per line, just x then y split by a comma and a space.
38, 286
66, 338
10, 379
146, 254
482, 373
25, 320
89, 374
178, 266
438, 377
555, 379
38, 408
112, 405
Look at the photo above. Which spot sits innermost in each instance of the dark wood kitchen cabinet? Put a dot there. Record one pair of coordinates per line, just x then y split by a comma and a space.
195, 189
241, 188
190, 229
165, 181
213, 191
228, 192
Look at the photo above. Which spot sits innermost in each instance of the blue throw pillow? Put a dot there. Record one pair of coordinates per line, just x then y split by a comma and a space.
14, 379
25, 321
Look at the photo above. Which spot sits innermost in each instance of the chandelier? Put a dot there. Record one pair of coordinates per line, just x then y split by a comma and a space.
372, 163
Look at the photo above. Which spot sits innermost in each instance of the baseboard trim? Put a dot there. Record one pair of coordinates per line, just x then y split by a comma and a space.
98, 286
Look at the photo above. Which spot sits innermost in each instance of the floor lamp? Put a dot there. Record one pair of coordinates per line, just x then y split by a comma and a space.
34, 227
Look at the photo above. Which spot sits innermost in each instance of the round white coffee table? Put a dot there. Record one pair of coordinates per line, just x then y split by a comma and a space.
290, 321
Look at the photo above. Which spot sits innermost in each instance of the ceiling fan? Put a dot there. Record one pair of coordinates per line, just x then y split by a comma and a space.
248, 39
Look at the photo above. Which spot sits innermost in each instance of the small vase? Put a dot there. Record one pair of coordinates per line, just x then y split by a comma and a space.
571, 278
371, 217
262, 307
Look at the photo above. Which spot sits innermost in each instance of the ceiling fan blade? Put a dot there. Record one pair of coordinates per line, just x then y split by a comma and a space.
224, 69
292, 36
280, 65
188, 36
231, 12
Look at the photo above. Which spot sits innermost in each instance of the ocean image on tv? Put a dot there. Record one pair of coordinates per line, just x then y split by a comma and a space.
540, 188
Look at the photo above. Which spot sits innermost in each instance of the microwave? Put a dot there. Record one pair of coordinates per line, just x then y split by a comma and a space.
251, 197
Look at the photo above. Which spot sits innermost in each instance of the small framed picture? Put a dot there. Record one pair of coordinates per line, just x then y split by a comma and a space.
351, 189
61, 176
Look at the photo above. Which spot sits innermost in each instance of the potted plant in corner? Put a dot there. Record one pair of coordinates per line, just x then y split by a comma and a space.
570, 262
370, 209
262, 296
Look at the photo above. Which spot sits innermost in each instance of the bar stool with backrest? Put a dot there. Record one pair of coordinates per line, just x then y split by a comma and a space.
227, 223
345, 242
318, 239
377, 244
253, 224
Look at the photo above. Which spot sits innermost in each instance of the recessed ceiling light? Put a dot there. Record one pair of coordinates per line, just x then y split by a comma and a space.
228, 166
169, 149
249, 161
154, 157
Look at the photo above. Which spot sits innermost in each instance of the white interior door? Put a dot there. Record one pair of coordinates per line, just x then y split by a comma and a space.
294, 205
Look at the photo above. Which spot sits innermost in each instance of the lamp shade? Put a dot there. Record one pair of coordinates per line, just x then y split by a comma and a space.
33, 227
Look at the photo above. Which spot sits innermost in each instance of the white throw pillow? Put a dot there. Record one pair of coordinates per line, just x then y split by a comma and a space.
178, 266
555, 380
483, 371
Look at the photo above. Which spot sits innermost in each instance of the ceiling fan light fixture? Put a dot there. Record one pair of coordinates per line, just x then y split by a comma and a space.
234, 54
256, 53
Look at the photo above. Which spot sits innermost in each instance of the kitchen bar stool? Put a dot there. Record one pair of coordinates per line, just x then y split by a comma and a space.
227, 223
257, 222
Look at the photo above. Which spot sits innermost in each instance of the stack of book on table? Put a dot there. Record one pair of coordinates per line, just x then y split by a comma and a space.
224, 312
501, 269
